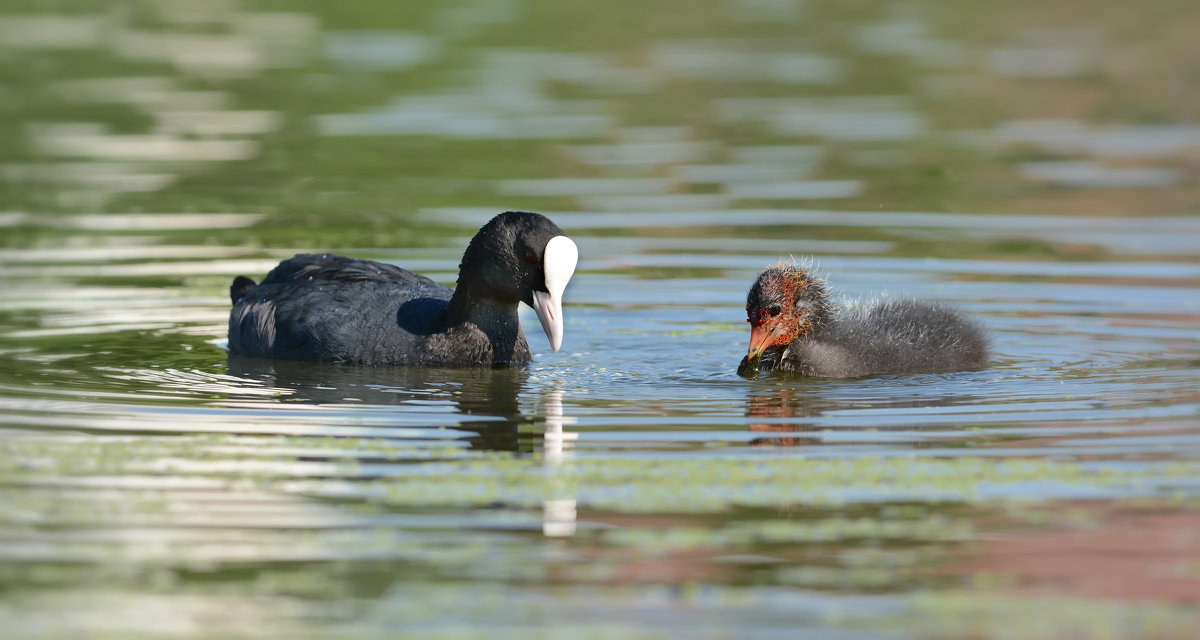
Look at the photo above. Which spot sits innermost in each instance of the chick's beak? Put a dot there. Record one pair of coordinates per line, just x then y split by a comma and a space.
760, 337
558, 261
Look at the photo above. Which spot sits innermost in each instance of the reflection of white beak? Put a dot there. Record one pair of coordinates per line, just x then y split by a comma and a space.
558, 264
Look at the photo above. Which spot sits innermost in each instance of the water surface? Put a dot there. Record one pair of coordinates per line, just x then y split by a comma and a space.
1032, 163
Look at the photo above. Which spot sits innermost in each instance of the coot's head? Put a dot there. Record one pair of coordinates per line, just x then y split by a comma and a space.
522, 257
784, 303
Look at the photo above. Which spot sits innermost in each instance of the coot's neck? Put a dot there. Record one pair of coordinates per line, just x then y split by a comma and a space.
497, 319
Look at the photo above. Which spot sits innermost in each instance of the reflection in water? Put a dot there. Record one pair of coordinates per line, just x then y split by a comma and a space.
558, 510
489, 395
156, 149
781, 402
193, 127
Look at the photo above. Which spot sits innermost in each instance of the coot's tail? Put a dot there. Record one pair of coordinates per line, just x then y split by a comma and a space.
240, 287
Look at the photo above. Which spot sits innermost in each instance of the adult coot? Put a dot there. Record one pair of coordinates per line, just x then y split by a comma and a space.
793, 327
335, 309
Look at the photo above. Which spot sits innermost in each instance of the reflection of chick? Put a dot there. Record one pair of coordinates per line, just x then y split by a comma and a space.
793, 327
783, 403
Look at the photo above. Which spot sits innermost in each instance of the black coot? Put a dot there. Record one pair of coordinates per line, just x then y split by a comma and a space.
793, 327
335, 309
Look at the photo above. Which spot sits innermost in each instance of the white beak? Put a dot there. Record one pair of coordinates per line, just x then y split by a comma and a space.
558, 265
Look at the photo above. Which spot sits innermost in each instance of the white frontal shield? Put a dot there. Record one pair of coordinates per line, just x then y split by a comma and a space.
558, 265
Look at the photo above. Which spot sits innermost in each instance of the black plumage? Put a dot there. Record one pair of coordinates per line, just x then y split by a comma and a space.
336, 309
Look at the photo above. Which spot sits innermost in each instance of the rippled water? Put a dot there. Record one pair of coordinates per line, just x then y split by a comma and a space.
1032, 163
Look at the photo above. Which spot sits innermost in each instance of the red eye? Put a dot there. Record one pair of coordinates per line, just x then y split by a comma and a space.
530, 258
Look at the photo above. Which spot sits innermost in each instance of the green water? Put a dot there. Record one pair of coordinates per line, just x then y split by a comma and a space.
1035, 163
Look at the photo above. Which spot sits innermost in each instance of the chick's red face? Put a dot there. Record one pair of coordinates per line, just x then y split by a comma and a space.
783, 305
765, 329
759, 317
775, 316
770, 314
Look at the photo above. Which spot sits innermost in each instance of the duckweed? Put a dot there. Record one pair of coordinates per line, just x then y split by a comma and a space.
773, 532
1002, 617
400, 475
692, 503
691, 485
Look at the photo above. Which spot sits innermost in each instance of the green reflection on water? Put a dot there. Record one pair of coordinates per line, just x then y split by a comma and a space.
712, 528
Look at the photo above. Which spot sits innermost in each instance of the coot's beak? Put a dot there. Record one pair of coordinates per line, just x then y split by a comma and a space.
759, 337
558, 264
